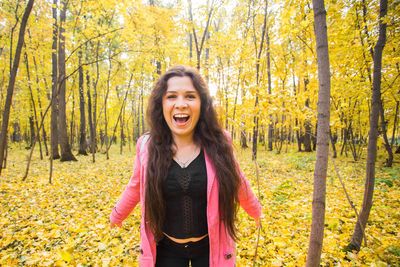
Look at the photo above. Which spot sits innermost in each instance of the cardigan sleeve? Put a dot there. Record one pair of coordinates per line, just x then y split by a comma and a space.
247, 199
131, 195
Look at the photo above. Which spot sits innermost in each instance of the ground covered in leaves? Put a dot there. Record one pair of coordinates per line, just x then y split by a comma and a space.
66, 223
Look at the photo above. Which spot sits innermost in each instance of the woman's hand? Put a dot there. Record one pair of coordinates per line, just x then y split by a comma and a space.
112, 225
258, 220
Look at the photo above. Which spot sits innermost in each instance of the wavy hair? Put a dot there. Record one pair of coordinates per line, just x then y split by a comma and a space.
208, 134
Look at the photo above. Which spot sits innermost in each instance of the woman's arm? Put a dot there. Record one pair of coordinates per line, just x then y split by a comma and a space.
248, 201
131, 195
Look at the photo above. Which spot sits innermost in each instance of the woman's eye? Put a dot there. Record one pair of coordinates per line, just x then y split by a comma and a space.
170, 96
191, 96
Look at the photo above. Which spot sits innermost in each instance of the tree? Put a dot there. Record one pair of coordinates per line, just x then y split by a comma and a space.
66, 153
82, 132
259, 51
358, 233
11, 83
199, 44
321, 164
54, 84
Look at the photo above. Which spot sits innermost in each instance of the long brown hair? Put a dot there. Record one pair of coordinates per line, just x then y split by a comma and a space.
208, 134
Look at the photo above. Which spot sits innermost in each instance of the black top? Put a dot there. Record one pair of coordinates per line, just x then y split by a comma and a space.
185, 196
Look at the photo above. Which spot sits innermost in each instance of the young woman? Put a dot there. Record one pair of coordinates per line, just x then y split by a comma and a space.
186, 178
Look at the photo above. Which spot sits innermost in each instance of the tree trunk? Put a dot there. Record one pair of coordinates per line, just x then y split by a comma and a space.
71, 123
94, 116
54, 74
199, 45
11, 83
270, 126
333, 142
82, 134
105, 103
358, 234
321, 164
138, 118
91, 128
122, 143
32, 129
16, 136
307, 136
298, 136
40, 106
388, 148
235, 102
256, 117
395, 124
142, 111
66, 153
33, 145
34, 134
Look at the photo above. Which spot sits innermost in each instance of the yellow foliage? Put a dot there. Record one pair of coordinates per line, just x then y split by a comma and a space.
66, 223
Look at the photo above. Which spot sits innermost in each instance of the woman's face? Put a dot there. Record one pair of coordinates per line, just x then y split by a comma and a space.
181, 106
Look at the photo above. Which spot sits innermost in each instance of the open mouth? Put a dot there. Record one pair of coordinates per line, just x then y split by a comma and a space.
181, 118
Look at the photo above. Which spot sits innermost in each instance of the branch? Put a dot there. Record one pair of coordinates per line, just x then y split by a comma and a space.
348, 198
206, 29
90, 39
191, 20
304, 42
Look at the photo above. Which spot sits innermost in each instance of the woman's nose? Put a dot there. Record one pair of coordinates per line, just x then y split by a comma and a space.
181, 103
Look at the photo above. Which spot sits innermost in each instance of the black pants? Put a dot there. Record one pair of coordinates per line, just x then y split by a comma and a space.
172, 254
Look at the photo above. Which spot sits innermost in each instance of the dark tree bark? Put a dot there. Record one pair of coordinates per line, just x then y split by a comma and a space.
199, 44
270, 126
90, 119
389, 160
105, 102
71, 123
40, 105
235, 102
36, 121
142, 111
16, 136
34, 141
333, 142
54, 74
32, 129
321, 164
118, 119
307, 124
256, 117
94, 112
11, 83
190, 47
82, 133
358, 233
66, 153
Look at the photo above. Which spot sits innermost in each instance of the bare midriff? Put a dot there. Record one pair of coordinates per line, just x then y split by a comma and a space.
185, 240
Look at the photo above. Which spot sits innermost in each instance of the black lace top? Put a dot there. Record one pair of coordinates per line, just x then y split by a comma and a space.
185, 195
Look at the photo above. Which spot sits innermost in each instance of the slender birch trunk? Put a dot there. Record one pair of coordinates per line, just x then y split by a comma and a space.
321, 164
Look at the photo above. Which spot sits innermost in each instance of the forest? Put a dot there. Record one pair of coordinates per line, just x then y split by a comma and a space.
75, 78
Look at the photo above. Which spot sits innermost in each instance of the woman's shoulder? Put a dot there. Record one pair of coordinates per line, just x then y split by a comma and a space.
143, 138
142, 141
227, 135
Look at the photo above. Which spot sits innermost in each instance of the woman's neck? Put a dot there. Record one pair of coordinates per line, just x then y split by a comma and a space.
182, 142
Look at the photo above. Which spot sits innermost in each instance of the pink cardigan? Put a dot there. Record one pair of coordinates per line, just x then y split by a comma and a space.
222, 247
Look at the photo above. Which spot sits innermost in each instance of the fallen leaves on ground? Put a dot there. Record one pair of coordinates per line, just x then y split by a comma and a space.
67, 222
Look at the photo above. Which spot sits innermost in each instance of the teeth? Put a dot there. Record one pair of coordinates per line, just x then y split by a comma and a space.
181, 116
